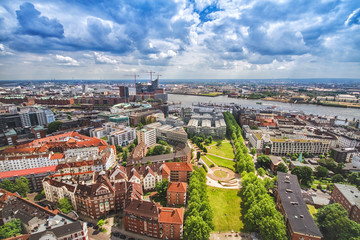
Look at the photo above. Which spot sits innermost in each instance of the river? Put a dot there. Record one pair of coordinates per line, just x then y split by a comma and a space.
341, 113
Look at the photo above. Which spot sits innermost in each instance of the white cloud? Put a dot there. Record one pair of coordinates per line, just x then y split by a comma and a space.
67, 61
101, 58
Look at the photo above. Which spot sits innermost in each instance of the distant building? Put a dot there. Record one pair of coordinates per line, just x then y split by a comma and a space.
343, 154
349, 197
290, 203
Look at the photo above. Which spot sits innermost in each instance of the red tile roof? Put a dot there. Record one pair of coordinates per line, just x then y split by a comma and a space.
57, 156
179, 166
177, 187
171, 215
25, 172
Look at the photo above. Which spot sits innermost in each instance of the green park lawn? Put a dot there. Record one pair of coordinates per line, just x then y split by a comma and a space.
224, 150
207, 161
225, 201
221, 162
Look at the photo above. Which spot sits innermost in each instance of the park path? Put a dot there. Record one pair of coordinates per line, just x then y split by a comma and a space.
220, 156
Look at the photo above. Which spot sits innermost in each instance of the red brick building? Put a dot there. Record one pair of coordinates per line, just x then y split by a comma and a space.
177, 171
349, 197
176, 193
171, 221
54, 101
148, 218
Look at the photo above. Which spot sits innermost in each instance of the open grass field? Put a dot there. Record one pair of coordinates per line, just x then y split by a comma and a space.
224, 150
222, 162
225, 201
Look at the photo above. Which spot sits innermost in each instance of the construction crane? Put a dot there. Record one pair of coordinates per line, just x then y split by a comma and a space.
158, 75
133, 75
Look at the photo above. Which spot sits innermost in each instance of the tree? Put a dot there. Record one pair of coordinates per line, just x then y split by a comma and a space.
125, 155
198, 155
205, 150
8, 185
21, 186
264, 161
304, 174
353, 178
163, 143
272, 228
40, 196
131, 147
337, 178
53, 126
253, 151
282, 168
196, 228
261, 172
10, 229
65, 205
321, 172
140, 126
100, 223
207, 141
119, 148
334, 223
161, 188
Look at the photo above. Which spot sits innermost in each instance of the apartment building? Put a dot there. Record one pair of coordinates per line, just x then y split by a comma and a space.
177, 171
284, 146
349, 197
169, 130
34, 176
117, 134
150, 219
38, 222
147, 136
176, 193
40, 152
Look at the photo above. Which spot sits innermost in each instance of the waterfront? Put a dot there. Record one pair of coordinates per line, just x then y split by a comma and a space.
341, 113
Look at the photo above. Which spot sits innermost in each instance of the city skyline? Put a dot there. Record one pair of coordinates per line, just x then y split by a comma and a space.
180, 39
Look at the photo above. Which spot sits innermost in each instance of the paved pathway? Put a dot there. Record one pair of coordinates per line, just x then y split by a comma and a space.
229, 236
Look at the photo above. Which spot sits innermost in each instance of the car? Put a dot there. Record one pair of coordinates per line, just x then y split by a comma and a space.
323, 190
314, 189
131, 239
90, 224
122, 236
116, 234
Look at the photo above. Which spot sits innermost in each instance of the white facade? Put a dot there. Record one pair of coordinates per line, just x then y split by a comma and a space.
54, 193
284, 146
12, 163
82, 153
148, 136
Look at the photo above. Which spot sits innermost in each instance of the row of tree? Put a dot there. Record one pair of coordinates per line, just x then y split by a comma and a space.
260, 209
198, 215
244, 161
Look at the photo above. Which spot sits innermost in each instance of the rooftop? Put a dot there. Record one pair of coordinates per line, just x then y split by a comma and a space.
294, 206
351, 193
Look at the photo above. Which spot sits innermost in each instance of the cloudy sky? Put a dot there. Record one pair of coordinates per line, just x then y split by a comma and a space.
93, 39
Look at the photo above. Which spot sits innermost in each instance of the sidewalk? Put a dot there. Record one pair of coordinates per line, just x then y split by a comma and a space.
229, 236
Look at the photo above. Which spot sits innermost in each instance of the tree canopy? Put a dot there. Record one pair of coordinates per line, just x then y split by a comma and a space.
161, 188
20, 186
264, 161
65, 205
282, 168
304, 174
10, 229
53, 126
334, 223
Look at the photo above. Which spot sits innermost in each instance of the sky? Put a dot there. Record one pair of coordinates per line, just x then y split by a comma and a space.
196, 39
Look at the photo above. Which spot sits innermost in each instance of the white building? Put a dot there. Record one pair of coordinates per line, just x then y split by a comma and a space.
117, 134
148, 136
